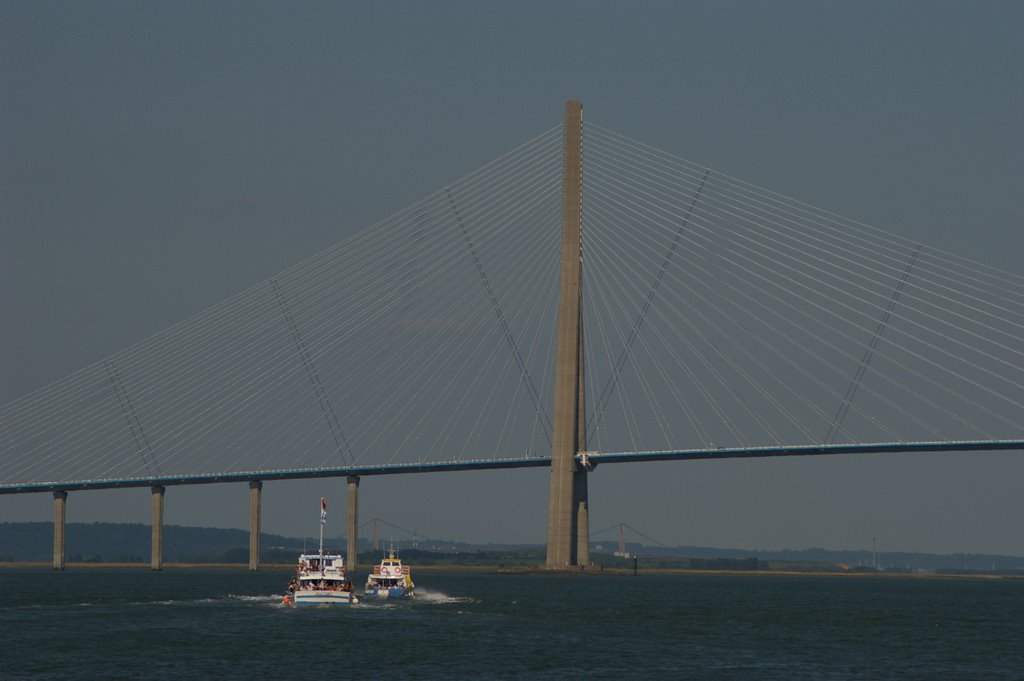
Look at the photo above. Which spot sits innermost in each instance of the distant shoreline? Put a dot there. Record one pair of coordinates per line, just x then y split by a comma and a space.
264, 567
497, 569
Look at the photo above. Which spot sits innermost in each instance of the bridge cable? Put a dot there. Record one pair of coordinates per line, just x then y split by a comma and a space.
314, 378
743, 217
973, 269
851, 391
509, 338
635, 327
130, 417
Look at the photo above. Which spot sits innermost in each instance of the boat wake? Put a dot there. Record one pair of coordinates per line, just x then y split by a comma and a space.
254, 599
439, 598
227, 598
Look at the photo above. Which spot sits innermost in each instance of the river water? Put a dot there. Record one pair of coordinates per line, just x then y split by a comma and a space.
181, 624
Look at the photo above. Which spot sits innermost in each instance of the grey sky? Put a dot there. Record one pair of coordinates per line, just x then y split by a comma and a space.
156, 158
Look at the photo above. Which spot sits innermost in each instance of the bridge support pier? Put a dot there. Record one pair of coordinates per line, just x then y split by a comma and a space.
581, 506
255, 491
156, 555
59, 503
352, 557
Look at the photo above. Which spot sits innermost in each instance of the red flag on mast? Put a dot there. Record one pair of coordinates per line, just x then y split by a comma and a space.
323, 510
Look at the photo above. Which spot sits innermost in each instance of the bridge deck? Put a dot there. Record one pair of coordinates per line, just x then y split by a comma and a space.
522, 462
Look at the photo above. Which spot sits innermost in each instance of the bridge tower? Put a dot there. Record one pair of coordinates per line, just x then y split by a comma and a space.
568, 523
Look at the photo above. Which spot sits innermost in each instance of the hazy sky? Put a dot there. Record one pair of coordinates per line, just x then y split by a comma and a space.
157, 157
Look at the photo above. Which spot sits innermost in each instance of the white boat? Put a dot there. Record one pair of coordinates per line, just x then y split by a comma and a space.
389, 579
320, 577
320, 580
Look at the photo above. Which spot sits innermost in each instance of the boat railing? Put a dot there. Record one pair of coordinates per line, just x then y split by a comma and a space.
390, 571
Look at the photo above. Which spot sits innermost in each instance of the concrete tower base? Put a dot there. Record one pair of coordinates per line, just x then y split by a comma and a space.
352, 558
255, 492
156, 557
59, 502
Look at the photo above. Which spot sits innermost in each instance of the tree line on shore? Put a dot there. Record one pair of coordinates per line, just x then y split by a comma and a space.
130, 543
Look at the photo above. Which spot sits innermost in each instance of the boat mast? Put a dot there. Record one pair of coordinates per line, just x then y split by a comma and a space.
323, 521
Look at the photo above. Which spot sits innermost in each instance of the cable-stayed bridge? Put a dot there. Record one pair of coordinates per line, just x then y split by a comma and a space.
707, 318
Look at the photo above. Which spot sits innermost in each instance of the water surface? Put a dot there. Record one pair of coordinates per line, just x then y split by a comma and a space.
136, 624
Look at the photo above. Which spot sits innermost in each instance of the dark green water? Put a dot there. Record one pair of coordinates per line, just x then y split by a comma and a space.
134, 624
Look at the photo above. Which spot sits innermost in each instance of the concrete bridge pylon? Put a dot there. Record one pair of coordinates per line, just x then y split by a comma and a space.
568, 533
